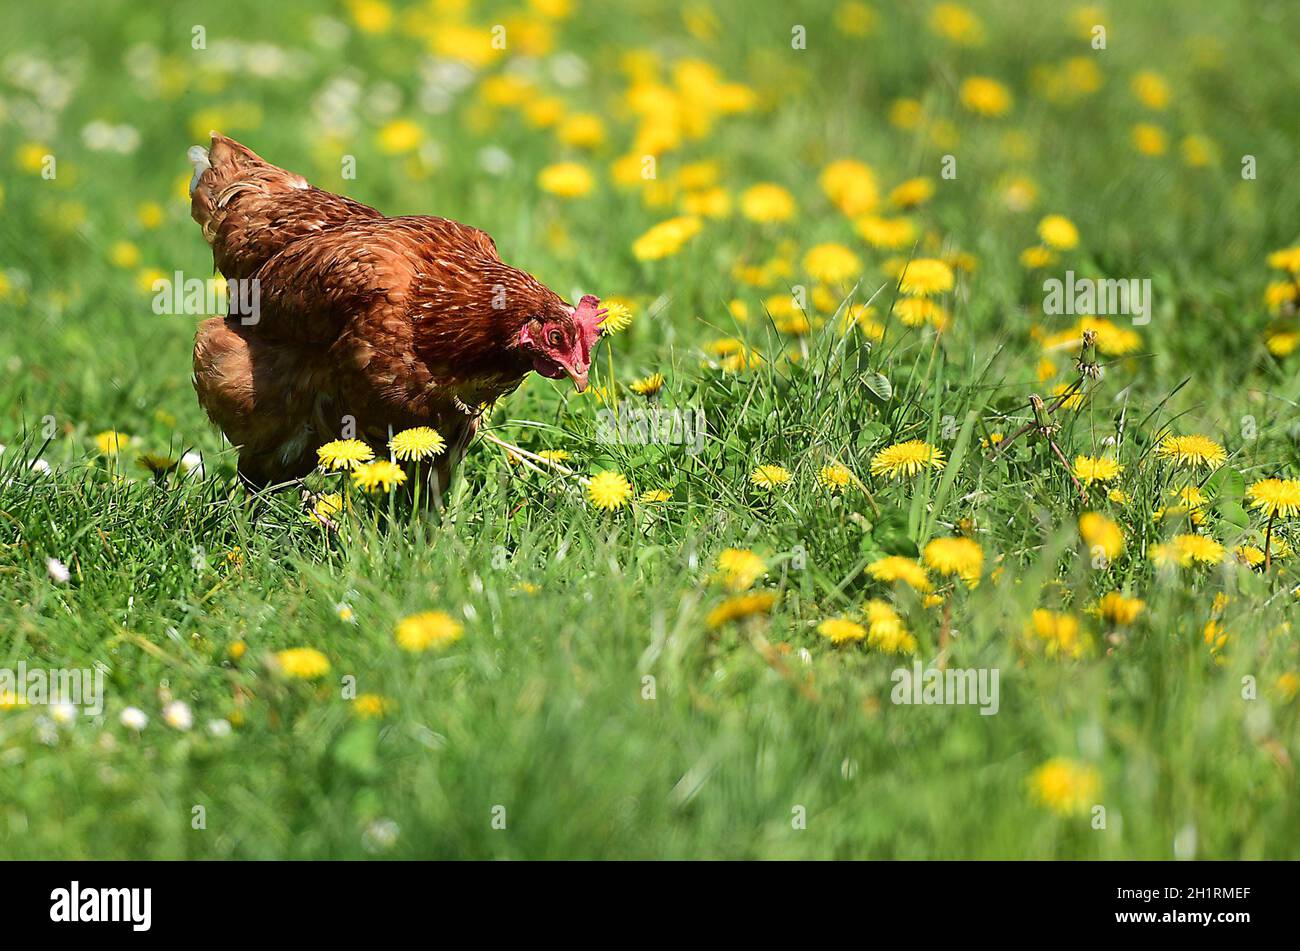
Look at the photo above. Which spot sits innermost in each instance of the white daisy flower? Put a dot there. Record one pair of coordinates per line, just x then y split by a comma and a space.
178, 715
57, 570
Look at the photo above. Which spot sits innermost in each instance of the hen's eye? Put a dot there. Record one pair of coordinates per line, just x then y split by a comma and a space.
553, 338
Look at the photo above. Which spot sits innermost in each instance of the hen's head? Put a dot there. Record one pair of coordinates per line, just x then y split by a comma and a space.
560, 341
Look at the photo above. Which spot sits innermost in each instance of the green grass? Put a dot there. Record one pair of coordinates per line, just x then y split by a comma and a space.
541, 708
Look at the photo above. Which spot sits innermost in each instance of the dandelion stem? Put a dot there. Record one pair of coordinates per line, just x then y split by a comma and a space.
945, 631
1268, 541
527, 456
1083, 493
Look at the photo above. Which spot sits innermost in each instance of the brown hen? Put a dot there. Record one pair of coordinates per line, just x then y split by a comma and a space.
353, 323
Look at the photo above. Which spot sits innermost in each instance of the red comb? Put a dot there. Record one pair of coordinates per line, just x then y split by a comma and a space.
588, 312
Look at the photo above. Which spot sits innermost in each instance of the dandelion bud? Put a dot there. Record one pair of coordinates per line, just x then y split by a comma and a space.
1041, 419
1087, 365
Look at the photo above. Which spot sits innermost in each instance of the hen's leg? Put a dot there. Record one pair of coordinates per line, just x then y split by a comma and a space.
443, 471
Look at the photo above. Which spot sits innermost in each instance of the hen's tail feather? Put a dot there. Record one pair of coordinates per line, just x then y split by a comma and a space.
250, 210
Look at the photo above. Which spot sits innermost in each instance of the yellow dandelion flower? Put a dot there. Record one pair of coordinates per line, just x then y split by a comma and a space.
124, 254
111, 442
343, 454
925, 277
905, 113
1287, 686
769, 476
1151, 89
741, 361
1059, 232
619, 317
325, 507
371, 16
841, 630
1058, 631
1101, 534
897, 568
794, 324
150, 280
1185, 550
1215, 635
1286, 259
888, 234
915, 311
832, 263
1282, 343
834, 477
1276, 498
886, 631
1112, 341
400, 136
565, 179
709, 203
1249, 555
1280, 293
1117, 609
739, 568
1019, 194
850, 185
1037, 258
958, 556
1090, 469
150, 215
745, 605
1150, 140
609, 491
1065, 787
666, 238
906, 459
1199, 151
428, 630
767, 202
1193, 513
913, 192
582, 131
853, 18
985, 97
302, 663
556, 455
655, 496
31, 156
1071, 402
370, 706
1191, 452
421, 442
648, 386
380, 475
957, 24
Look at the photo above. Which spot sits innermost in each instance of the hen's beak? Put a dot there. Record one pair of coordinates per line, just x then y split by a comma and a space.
579, 378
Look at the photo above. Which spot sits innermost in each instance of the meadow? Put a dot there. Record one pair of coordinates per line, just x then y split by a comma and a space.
670, 626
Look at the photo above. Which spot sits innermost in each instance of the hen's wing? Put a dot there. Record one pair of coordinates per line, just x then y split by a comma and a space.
250, 209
